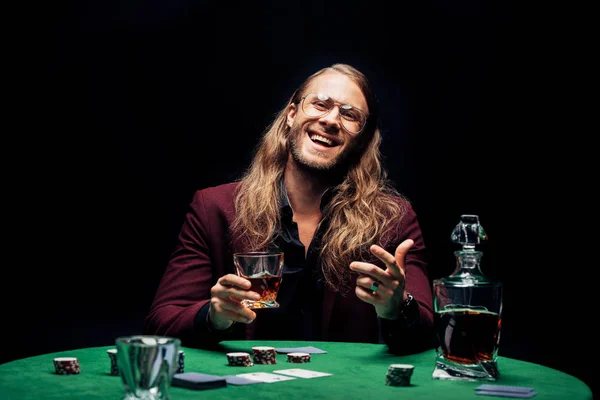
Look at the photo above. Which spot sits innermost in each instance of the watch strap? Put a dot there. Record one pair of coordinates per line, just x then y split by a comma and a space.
409, 310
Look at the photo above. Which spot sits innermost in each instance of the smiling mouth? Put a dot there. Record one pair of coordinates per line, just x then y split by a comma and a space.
321, 140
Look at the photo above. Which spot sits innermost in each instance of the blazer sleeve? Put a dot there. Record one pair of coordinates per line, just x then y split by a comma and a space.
181, 302
416, 335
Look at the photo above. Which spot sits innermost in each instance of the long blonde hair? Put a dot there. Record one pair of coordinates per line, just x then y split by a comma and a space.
359, 212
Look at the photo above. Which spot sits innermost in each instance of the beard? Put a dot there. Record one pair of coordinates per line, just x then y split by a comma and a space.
334, 165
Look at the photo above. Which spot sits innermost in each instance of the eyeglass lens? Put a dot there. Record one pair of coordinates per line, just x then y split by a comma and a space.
319, 104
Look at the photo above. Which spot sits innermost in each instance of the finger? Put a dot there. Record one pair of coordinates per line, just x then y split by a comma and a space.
229, 309
368, 296
233, 310
369, 284
234, 280
389, 260
370, 272
235, 287
382, 254
375, 292
395, 264
230, 316
401, 252
226, 292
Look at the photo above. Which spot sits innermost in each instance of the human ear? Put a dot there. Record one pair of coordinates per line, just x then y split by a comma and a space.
291, 114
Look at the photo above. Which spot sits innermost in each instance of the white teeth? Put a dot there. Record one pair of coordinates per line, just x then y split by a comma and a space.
321, 139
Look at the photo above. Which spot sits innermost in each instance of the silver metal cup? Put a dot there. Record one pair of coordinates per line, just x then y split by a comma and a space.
146, 365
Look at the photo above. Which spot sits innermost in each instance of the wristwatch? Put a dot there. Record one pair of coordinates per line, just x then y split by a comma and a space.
409, 310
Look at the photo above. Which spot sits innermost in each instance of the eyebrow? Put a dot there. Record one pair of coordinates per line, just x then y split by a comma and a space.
340, 102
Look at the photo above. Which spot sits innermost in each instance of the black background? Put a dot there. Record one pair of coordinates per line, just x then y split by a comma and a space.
124, 109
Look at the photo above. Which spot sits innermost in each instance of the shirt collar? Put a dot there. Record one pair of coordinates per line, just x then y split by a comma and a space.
286, 207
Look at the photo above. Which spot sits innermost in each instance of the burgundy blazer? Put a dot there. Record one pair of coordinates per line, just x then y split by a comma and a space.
204, 253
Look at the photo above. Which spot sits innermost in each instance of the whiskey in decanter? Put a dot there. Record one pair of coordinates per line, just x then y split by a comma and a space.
468, 312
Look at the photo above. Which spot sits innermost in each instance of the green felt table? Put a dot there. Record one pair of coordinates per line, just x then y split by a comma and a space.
358, 369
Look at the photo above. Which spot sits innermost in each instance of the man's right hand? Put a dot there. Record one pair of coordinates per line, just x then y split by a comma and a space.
225, 302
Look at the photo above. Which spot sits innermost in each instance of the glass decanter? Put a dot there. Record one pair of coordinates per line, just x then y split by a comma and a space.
467, 311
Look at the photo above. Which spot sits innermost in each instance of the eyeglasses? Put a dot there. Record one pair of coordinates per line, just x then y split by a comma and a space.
352, 119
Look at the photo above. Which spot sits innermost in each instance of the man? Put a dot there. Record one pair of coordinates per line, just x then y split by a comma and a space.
354, 262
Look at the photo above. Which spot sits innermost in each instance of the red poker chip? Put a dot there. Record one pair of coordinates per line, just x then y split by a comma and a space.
298, 358
239, 359
67, 366
264, 355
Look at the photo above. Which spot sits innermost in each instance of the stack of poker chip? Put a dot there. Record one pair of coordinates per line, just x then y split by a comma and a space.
180, 362
264, 355
399, 375
112, 354
66, 365
239, 359
298, 358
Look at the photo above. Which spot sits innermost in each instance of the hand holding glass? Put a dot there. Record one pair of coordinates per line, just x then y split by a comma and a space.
264, 271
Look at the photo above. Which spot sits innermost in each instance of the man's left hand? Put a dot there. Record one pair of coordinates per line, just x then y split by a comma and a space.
385, 289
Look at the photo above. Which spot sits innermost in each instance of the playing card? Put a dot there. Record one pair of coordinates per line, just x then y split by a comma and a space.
198, 381
306, 349
505, 394
238, 380
302, 373
504, 388
265, 377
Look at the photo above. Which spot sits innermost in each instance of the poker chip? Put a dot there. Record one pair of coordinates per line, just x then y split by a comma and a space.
399, 374
112, 354
264, 355
298, 358
67, 365
180, 362
239, 359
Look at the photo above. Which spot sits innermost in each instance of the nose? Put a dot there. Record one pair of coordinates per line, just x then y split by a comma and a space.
332, 117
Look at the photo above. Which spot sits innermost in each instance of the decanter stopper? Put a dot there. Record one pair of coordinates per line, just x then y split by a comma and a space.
468, 232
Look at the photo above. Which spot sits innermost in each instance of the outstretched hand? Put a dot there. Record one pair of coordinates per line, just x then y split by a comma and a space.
384, 289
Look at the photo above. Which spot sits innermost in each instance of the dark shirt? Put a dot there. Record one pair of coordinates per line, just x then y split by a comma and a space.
303, 314
299, 316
